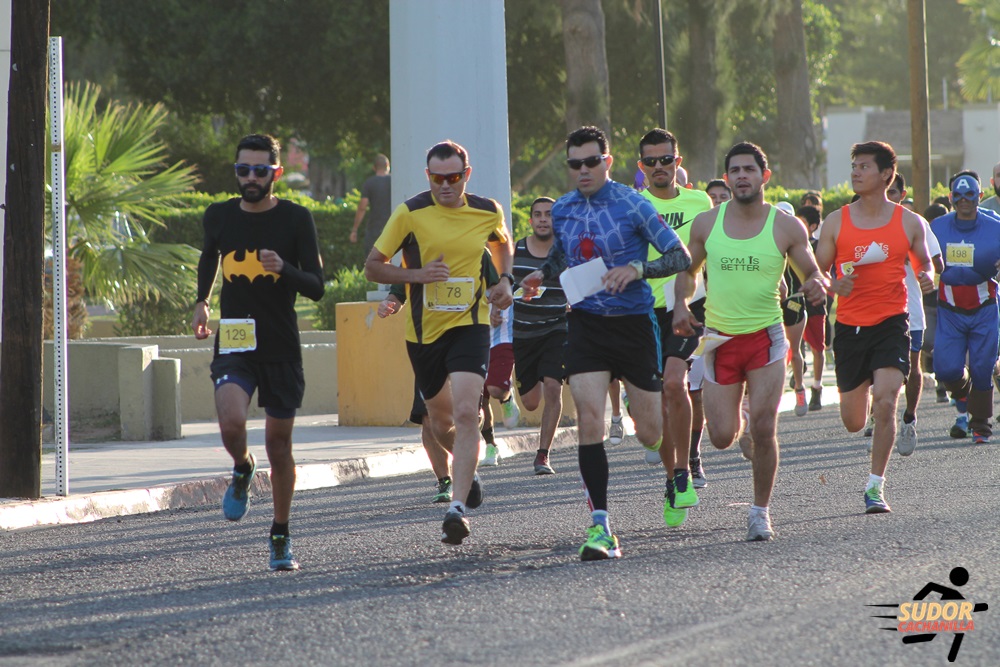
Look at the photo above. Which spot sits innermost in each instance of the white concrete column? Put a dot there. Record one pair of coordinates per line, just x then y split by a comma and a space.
448, 80
5, 36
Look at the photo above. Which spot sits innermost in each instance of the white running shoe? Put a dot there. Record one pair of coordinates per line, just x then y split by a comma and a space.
906, 438
616, 432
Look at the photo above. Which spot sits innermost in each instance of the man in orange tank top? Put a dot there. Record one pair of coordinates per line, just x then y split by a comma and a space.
868, 242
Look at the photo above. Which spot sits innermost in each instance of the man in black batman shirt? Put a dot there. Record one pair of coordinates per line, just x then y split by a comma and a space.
269, 255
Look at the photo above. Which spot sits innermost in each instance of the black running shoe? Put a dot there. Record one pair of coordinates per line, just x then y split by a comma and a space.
475, 498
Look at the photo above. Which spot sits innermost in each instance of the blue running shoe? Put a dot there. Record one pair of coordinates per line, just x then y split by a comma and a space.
237, 498
875, 502
281, 554
475, 497
961, 427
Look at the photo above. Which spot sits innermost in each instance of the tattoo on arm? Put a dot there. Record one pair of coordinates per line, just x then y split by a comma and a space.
673, 261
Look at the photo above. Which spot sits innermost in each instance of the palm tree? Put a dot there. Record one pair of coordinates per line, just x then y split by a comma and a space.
980, 64
116, 180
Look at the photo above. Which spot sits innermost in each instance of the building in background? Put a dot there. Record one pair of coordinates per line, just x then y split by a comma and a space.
966, 138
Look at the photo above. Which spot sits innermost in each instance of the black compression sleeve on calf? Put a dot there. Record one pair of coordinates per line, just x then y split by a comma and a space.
594, 471
673, 261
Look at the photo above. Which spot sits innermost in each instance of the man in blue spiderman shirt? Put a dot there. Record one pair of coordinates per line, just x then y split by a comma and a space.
611, 334
967, 316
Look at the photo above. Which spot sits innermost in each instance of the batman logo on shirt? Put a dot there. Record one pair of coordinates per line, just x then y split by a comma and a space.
249, 267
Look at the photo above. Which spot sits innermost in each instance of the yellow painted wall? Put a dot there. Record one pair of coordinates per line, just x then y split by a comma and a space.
375, 380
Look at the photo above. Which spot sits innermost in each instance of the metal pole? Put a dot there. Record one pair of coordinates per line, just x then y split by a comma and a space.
920, 132
662, 78
59, 329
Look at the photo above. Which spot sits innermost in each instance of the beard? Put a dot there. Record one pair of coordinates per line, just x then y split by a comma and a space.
256, 192
543, 237
747, 197
996, 191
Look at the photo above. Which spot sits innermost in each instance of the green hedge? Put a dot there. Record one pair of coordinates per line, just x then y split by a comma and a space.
343, 261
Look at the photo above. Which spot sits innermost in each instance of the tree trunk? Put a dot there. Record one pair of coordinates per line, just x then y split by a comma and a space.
23, 248
796, 163
588, 98
699, 122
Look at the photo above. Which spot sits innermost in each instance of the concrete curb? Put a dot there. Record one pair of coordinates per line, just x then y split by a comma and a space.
209, 491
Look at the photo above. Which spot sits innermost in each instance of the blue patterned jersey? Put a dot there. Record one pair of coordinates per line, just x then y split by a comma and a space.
617, 224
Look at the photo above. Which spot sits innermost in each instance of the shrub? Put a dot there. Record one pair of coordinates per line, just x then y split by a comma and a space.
349, 284
153, 317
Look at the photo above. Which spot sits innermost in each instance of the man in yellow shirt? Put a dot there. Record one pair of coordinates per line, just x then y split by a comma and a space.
441, 233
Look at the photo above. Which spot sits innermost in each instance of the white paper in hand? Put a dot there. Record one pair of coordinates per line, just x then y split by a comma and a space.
583, 280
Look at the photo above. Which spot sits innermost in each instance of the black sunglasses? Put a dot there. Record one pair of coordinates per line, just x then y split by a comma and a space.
259, 170
665, 160
591, 162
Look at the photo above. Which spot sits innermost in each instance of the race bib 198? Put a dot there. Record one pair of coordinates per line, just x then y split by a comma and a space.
960, 254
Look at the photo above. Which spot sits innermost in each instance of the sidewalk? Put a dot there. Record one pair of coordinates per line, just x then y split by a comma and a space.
118, 478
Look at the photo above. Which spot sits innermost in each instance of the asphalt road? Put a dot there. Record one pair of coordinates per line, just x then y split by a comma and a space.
378, 588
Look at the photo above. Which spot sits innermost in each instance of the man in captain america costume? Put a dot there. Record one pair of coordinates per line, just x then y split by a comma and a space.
967, 306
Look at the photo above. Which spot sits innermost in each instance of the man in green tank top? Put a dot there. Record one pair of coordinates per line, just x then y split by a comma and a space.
744, 244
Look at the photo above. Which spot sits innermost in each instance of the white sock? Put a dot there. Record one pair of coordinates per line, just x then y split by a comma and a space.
755, 509
458, 506
874, 480
616, 419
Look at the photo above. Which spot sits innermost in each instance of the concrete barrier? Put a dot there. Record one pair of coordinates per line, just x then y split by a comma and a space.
151, 384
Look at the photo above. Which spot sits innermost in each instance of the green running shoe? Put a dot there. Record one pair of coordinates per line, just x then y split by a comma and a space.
672, 516
443, 494
684, 494
599, 545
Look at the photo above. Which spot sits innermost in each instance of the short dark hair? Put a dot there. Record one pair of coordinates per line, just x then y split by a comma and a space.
447, 149
747, 148
885, 156
540, 200
655, 137
811, 194
943, 200
717, 183
934, 211
260, 142
899, 181
964, 172
808, 213
585, 135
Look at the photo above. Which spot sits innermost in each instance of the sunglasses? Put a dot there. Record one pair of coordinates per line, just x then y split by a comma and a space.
971, 195
591, 162
259, 170
451, 178
665, 160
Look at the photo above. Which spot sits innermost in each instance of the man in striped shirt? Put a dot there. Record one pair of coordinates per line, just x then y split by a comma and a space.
540, 333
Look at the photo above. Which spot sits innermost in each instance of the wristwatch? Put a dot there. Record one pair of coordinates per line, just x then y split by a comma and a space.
509, 277
639, 267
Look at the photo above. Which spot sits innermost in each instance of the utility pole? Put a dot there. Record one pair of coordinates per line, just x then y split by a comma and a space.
23, 248
662, 78
920, 131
